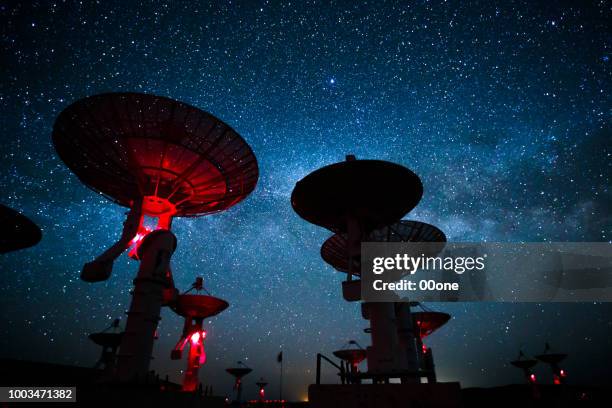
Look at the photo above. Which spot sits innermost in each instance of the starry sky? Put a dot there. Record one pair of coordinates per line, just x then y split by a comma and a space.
502, 109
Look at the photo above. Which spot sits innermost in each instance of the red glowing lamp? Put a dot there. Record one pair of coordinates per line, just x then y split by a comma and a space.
359, 189
262, 392
194, 308
137, 240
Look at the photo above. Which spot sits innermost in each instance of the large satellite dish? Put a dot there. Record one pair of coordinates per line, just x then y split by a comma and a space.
176, 158
374, 193
334, 250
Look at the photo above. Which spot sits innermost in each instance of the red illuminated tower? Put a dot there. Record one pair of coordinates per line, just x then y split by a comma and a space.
261, 384
526, 364
18, 232
553, 360
425, 323
238, 372
194, 308
353, 354
162, 159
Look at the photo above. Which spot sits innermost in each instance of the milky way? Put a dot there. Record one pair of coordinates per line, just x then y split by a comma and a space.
503, 110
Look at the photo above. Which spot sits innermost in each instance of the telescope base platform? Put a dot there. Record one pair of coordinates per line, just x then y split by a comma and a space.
438, 395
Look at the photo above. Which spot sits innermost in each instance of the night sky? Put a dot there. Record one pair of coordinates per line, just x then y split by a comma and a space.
502, 108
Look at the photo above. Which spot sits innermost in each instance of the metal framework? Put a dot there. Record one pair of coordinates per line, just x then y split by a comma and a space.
334, 250
177, 158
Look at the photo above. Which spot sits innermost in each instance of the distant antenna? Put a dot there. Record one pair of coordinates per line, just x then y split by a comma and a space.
194, 308
18, 232
553, 360
334, 250
109, 339
238, 372
526, 366
261, 384
353, 354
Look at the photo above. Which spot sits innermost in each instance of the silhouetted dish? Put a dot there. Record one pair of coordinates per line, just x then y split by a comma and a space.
18, 232
374, 193
178, 159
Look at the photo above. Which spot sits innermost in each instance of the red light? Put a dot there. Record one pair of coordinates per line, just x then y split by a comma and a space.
261, 393
424, 349
196, 337
197, 357
135, 242
563, 373
532, 378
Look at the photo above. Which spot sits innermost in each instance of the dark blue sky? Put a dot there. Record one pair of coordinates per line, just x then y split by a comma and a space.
502, 108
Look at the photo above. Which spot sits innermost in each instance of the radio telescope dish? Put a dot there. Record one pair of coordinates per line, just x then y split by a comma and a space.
18, 231
334, 250
428, 322
374, 193
177, 159
199, 306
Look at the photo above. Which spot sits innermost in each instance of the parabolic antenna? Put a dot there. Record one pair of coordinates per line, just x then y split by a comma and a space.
194, 308
335, 249
18, 231
262, 392
238, 372
353, 356
374, 193
524, 364
199, 306
408, 231
106, 339
429, 321
177, 159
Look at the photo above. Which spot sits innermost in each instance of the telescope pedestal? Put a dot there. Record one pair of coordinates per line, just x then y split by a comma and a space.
144, 314
407, 342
